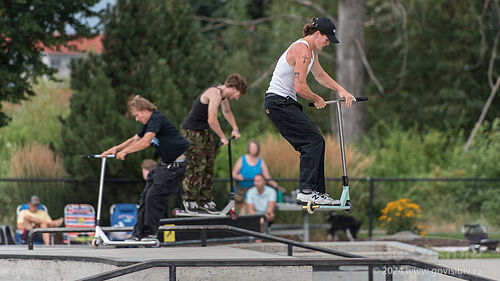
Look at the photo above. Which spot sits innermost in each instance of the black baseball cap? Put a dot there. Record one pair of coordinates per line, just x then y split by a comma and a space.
326, 27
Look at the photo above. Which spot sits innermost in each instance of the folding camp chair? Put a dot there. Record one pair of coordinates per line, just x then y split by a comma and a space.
21, 234
79, 215
7, 235
477, 236
122, 214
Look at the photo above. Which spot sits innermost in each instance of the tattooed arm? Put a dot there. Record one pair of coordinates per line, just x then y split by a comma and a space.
299, 57
324, 79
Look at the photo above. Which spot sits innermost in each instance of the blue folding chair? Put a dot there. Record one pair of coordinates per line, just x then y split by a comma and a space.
22, 235
122, 214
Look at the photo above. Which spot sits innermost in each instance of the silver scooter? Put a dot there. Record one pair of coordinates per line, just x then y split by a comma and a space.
100, 238
345, 200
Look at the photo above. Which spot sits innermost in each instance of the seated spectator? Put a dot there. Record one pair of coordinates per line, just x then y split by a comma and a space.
261, 199
36, 218
245, 169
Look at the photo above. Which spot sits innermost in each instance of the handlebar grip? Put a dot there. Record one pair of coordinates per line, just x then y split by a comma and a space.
229, 139
88, 156
341, 100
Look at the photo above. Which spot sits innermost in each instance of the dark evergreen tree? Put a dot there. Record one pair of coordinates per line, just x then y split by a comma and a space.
94, 123
155, 49
152, 48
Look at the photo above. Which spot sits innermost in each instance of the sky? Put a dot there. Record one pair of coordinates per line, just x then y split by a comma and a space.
94, 21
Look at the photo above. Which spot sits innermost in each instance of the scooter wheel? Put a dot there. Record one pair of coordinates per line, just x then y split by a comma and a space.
310, 207
157, 244
233, 215
95, 243
348, 203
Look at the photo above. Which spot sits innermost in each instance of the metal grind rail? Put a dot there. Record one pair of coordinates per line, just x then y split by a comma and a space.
203, 229
389, 267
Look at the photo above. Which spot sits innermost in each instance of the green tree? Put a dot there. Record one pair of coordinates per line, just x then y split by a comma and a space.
152, 48
155, 49
94, 123
432, 58
26, 26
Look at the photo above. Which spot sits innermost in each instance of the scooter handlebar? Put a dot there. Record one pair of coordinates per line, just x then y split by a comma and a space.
341, 100
229, 139
97, 156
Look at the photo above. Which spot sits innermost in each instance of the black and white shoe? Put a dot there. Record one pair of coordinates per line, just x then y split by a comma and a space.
190, 206
209, 207
132, 238
325, 199
148, 238
303, 197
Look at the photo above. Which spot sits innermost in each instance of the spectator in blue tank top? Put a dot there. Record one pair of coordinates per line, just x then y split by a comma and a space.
244, 171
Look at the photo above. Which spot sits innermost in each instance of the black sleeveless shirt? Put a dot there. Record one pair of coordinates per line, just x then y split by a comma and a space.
197, 118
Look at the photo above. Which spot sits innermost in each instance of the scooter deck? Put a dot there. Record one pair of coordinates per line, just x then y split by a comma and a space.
182, 213
224, 213
327, 207
311, 207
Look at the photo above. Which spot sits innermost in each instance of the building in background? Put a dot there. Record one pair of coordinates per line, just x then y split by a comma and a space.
61, 59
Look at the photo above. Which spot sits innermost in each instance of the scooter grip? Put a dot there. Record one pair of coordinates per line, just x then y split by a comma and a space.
88, 156
229, 139
357, 99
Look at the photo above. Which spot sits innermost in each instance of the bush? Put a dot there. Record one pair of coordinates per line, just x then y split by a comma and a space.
401, 215
438, 154
31, 162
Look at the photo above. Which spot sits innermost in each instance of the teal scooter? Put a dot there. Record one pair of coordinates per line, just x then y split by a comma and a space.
345, 200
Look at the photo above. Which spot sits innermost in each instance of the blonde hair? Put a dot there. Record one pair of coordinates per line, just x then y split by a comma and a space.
139, 103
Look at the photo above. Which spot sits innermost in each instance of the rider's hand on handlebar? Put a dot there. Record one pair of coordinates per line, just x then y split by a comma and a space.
319, 103
110, 151
236, 134
223, 141
348, 97
121, 155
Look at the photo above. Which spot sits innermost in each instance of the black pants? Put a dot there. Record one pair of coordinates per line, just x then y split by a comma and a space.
294, 125
161, 184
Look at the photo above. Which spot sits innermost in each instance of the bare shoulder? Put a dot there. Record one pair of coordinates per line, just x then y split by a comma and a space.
211, 94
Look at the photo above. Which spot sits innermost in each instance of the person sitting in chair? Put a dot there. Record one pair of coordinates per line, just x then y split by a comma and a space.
36, 218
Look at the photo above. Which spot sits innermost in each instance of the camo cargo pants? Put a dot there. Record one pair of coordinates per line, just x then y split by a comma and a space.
197, 184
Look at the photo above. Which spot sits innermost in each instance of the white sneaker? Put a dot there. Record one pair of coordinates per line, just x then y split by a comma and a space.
149, 238
304, 198
317, 198
325, 199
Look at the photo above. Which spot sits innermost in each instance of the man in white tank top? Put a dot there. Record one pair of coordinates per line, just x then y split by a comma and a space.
282, 108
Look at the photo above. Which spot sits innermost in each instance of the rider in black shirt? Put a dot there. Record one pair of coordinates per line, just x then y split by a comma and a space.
165, 179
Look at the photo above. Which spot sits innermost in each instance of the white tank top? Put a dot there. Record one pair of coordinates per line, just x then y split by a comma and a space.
282, 83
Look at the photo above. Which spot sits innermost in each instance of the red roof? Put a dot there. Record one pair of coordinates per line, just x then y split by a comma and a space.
84, 45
